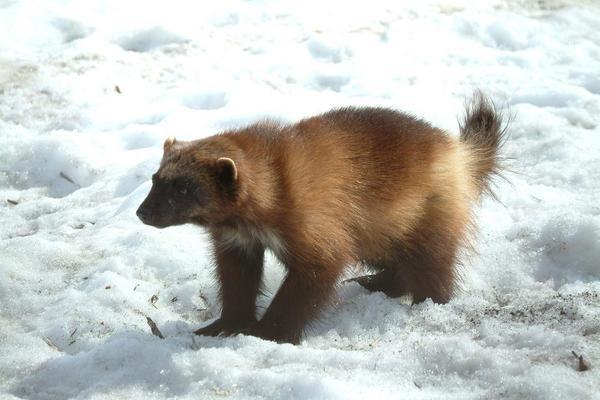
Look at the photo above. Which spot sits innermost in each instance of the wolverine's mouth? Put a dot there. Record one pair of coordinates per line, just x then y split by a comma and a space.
200, 221
155, 224
148, 218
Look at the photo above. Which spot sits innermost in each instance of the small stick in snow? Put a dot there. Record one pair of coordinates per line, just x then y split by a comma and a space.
174, 299
153, 328
117, 89
582, 365
50, 343
204, 299
13, 202
153, 300
66, 178
72, 340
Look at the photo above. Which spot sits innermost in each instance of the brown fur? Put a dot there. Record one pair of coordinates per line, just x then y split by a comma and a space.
354, 185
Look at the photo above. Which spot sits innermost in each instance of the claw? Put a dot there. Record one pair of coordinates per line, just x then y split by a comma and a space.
220, 328
361, 280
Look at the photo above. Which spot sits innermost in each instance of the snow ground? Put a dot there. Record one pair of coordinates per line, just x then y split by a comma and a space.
88, 92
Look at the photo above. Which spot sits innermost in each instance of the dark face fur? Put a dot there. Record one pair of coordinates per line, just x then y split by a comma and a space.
172, 201
188, 189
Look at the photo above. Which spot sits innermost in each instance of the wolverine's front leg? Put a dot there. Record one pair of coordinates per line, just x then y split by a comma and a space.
240, 273
304, 292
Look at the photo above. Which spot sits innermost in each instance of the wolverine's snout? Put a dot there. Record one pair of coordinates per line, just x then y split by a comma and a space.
150, 218
144, 215
152, 214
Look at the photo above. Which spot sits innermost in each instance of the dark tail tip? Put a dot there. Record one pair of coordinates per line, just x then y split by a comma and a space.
483, 128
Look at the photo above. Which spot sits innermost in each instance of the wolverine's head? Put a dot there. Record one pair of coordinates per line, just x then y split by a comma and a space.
193, 184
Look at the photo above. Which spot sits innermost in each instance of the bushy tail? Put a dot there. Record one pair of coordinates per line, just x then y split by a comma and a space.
483, 130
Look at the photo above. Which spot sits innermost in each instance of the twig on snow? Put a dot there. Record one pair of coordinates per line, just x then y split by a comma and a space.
50, 343
66, 178
153, 328
153, 300
581, 365
72, 340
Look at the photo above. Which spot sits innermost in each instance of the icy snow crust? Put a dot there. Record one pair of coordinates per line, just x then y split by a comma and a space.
89, 90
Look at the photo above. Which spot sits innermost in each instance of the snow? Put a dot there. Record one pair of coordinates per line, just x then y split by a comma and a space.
88, 92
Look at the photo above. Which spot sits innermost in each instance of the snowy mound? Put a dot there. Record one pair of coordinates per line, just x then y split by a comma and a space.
88, 92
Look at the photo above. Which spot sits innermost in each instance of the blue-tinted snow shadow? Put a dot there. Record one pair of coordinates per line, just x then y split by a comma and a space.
126, 359
567, 251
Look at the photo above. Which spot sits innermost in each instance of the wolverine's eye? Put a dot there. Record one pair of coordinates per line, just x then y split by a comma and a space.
182, 187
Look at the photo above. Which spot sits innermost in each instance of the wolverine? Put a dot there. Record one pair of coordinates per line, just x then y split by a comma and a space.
353, 186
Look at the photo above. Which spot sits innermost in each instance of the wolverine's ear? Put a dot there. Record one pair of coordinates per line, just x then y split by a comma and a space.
169, 142
226, 170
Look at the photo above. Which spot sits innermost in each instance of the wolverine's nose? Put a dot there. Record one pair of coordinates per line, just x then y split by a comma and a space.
143, 214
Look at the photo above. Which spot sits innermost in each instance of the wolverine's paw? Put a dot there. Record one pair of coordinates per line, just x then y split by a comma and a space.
379, 282
213, 329
271, 334
384, 281
221, 327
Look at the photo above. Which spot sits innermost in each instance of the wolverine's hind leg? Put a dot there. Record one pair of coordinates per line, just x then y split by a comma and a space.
429, 270
423, 265
428, 259
424, 270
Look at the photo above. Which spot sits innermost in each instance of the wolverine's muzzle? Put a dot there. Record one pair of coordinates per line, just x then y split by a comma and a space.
144, 215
